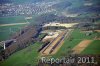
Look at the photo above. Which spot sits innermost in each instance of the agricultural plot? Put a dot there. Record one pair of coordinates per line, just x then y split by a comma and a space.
66, 47
93, 48
79, 35
75, 38
81, 46
12, 19
16, 19
7, 31
11, 25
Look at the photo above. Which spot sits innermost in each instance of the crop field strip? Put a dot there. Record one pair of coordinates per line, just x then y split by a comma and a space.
93, 48
12, 24
7, 31
76, 37
81, 46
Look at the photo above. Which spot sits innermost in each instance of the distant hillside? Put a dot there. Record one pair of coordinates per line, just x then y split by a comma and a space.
5, 1
79, 7
22, 1
46, 18
62, 5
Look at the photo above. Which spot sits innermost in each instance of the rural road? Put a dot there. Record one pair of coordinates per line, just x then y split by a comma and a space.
12, 24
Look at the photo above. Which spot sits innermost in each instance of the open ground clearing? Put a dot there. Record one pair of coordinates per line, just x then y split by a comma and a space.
93, 48
81, 46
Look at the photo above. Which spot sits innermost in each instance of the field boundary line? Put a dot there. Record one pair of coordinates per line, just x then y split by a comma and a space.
12, 24
81, 46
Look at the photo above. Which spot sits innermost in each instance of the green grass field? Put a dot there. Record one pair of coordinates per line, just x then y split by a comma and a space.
7, 31
26, 57
93, 48
77, 37
12, 19
16, 19
63, 51
41, 35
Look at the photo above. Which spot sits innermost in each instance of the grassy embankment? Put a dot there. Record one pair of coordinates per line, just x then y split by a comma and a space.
26, 57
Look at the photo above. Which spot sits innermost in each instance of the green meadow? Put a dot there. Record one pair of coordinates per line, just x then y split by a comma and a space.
25, 57
93, 48
7, 31
76, 37
12, 19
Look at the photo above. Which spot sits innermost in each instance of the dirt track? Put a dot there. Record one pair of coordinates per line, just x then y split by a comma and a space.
97, 30
52, 44
55, 45
68, 33
12, 24
81, 46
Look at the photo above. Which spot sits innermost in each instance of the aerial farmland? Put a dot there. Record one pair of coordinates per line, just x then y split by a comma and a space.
49, 32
